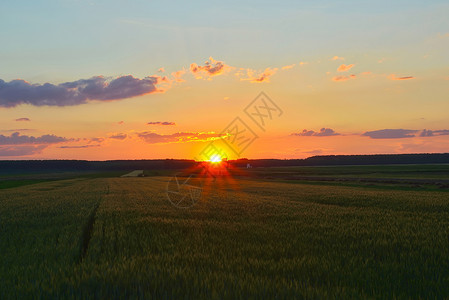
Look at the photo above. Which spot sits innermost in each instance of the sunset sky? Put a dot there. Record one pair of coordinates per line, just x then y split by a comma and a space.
147, 79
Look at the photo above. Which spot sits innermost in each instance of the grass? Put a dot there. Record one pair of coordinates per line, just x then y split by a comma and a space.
121, 238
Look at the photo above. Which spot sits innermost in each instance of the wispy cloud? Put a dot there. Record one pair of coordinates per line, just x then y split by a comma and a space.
254, 77
178, 75
118, 136
78, 147
288, 67
394, 77
344, 77
23, 120
337, 58
17, 92
162, 123
323, 132
344, 68
179, 137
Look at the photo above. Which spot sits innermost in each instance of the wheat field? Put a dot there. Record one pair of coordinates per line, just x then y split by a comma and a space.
121, 238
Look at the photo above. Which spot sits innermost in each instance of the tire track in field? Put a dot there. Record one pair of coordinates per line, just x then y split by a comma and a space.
86, 236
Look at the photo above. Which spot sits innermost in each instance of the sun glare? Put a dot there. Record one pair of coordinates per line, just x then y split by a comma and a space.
215, 158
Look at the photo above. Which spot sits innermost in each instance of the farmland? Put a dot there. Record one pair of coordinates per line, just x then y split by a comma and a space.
262, 233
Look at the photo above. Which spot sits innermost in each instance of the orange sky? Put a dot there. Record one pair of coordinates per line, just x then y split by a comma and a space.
380, 88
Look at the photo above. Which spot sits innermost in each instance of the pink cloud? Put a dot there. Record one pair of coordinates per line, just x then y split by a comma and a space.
344, 68
211, 68
343, 77
254, 77
288, 67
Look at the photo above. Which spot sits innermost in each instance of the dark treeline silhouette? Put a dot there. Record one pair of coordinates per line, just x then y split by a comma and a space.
125, 165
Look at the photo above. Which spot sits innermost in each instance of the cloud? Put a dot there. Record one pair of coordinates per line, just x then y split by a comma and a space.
337, 58
94, 140
178, 75
428, 133
344, 68
23, 120
78, 147
161, 123
121, 122
211, 68
161, 70
253, 77
390, 133
118, 136
393, 77
21, 150
343, 77
179, 137
17, 92
288, 67
17, 139
322, 132
16, 130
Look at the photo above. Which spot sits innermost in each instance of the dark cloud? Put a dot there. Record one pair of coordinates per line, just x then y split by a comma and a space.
427, 133
21, 150
17, 139
179, 137
390, 133
322, 132
18, 91
22, 119
118, 136
161, 123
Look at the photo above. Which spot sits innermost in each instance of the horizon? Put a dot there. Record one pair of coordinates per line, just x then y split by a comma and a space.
150, 80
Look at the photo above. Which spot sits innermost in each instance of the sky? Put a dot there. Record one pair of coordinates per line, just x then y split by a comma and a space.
135, 79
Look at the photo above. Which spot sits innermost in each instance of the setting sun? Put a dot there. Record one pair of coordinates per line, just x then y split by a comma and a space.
215, 158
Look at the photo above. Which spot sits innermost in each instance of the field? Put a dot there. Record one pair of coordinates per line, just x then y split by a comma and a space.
263, 233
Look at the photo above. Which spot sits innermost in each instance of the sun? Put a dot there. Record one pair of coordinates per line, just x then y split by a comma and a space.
215, 158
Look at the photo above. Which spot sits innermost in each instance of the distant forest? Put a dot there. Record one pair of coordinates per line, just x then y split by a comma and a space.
9, 166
